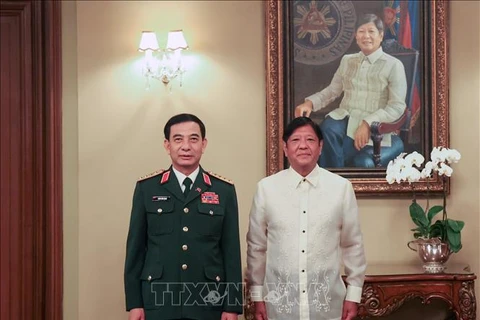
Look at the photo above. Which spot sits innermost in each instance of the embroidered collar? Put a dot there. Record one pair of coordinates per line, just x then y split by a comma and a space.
312, 178
373, 57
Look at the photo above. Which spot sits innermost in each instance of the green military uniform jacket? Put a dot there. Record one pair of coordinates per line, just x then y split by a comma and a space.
183, 254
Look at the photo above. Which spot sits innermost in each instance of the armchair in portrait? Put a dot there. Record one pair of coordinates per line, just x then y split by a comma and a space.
409, 58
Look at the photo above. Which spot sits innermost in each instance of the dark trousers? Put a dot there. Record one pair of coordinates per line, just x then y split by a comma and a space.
339, 149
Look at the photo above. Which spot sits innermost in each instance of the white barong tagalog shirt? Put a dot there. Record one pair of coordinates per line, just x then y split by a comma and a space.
301, 231
374, 88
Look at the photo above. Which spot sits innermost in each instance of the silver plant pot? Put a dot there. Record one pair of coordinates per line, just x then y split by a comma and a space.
433, 252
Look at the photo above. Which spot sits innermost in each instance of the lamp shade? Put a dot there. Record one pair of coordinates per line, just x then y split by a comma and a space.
148, 41
176, 40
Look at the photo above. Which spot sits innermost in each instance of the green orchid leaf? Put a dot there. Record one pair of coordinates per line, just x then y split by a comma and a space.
437, 230
456, 225
418, 215
454, 240
433, 212
421, 231
455, 248
417, 235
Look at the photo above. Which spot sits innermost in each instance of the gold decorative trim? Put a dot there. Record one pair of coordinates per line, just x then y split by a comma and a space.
365, 182
275, 99
220, 177
153, 174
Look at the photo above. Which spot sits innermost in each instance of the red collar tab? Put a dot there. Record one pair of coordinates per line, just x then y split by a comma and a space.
206, 179
165, 177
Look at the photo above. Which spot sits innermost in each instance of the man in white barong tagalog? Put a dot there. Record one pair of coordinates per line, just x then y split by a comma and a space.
304, 226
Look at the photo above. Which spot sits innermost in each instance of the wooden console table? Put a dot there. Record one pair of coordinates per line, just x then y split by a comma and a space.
388, 287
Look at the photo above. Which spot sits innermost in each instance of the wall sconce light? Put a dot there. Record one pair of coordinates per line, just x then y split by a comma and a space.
168, 64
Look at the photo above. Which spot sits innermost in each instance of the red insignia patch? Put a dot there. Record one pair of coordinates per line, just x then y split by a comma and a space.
206, 179
165, 177
210, 197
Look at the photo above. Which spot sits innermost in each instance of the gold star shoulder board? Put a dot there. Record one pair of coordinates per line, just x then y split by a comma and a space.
219, 177
153, 174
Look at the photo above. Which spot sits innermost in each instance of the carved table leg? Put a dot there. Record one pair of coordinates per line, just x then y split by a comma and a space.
466, 305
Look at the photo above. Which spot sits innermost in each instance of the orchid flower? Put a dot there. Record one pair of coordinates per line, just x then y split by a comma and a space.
453, 156
412, 175
427, 170
445, 170
415, 158
408, 168
437, 155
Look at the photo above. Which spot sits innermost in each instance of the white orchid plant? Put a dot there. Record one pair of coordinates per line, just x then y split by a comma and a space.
408, 168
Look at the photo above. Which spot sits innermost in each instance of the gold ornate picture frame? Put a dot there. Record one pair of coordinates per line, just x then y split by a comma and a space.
435, 124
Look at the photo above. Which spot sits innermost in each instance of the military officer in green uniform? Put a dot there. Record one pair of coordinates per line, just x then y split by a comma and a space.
183, 249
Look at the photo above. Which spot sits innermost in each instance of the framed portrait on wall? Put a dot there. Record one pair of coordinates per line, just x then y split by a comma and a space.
306, 42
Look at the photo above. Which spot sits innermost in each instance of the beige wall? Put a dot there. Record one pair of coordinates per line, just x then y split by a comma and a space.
113, 131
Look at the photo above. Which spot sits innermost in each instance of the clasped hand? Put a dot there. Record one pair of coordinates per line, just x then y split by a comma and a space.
362, 135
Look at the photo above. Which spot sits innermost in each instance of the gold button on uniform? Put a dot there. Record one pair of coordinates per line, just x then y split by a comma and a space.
184, 247
185, 229
185, 210
211, 212
159, 210
149, 278
217, 278
184, 266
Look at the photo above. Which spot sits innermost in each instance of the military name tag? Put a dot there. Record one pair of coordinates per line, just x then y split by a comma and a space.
160, 198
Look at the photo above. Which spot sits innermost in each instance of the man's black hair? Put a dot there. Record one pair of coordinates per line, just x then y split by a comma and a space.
298, 123
370, 17
180, 118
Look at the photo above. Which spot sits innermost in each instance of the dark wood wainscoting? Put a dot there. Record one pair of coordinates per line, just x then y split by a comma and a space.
30, 160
